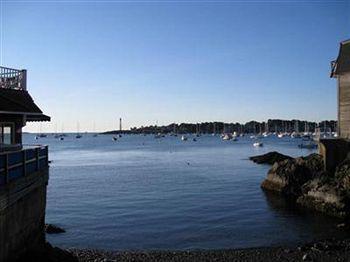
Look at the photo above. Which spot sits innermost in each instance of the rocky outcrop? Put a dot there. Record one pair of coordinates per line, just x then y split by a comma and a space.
305, 180
288, 176
269, 158
52, 229
329, 193
323, 197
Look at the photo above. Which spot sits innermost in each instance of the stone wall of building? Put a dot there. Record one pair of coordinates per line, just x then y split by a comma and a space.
22, 215
333, 151
344, 105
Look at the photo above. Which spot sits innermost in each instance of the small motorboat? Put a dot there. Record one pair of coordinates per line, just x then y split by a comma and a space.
78, 136
227, 136
258, 144
114, 138
280, 135
61, 138
266, 134
159, 135
184, 138
194, 139
295, 135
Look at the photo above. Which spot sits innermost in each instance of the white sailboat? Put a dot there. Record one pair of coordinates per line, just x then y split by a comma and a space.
227, 136
198, 130
56, 134
78, 131
94, 129
258, 144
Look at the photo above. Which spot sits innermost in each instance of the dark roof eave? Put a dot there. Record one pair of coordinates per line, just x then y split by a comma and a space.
342, 64
30, 117
38, 118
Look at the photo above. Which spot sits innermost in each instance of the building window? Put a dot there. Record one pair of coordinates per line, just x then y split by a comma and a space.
6, 133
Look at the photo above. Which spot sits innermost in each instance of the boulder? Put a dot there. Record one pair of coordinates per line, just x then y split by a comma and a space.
269, 158
342, 174
288, 176
329, 193
323, 197
52, 229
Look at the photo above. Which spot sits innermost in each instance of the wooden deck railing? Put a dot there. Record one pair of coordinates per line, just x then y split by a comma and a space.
13, 78
14, 165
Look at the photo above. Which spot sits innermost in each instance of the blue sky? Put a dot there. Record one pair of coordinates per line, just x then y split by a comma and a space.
182, 61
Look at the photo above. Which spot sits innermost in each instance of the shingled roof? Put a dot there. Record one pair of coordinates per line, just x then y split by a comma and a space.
20, 102
342, 64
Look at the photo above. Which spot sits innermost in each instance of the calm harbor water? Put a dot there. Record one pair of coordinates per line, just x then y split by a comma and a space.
143, 193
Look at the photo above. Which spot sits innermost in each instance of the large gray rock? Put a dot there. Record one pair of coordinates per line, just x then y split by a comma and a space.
269, 158
323, 197
53, 229
288, 176
329, 193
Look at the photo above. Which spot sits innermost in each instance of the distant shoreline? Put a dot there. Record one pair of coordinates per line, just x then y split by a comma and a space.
272, 125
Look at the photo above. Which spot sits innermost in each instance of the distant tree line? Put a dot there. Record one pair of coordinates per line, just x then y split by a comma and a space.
272, 125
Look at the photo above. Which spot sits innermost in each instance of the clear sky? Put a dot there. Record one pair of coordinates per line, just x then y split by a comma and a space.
182, 61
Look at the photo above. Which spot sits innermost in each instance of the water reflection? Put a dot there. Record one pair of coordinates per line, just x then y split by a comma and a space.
305, 222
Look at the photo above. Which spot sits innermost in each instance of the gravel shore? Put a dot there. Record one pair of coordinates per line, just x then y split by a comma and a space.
327, 250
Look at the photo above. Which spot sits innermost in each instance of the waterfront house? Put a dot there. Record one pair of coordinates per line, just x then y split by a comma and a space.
335, 151
23, 169
341, 71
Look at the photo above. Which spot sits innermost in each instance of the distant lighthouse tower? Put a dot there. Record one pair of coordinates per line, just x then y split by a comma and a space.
120, 124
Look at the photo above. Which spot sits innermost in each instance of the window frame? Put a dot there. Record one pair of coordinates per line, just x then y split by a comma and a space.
12, 132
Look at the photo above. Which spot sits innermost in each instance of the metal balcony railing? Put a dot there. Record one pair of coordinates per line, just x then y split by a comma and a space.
21, 163
13, 78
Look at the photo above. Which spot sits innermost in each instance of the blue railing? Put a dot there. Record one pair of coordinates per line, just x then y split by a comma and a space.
16, 164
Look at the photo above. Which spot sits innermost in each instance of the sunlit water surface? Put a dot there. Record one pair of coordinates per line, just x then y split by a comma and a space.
141, 193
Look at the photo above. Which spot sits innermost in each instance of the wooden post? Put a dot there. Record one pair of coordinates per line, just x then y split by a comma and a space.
7, 179
24, 163
37, 158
